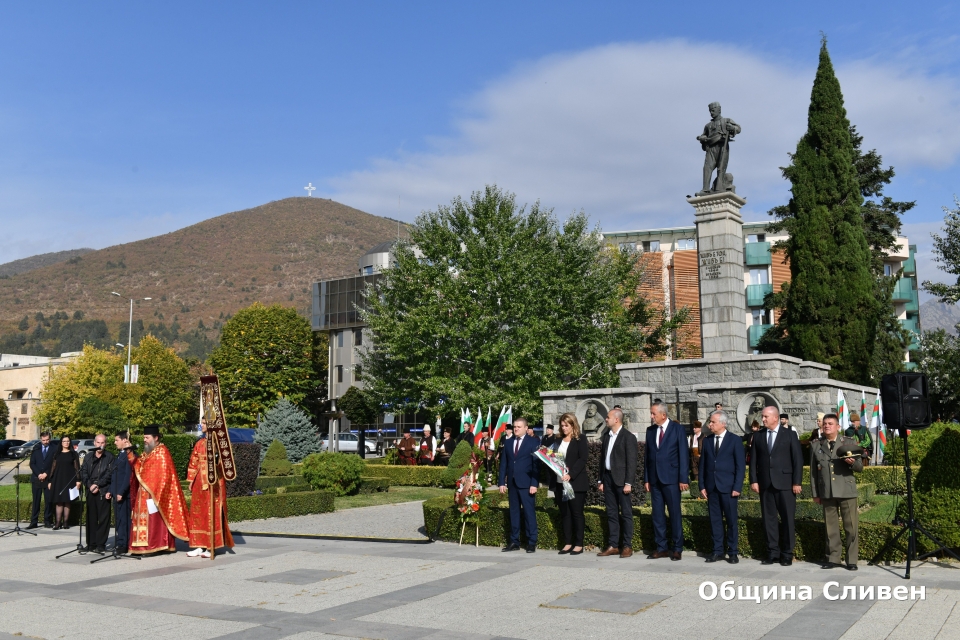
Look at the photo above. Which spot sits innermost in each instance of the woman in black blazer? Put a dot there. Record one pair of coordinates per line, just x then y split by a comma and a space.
572, 446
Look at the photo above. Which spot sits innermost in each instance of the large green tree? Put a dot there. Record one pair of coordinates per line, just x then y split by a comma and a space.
490, 303
939, 358
4, 417
946, 252
829, 313
266, 353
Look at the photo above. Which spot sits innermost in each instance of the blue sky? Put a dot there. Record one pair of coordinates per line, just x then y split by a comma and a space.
119, 122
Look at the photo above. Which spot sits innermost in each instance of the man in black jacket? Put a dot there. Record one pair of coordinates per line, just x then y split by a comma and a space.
41, 461
776, 471
618, 471
95, 473
119, 492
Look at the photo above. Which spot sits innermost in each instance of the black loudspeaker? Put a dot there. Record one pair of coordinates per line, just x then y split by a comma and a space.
906, 404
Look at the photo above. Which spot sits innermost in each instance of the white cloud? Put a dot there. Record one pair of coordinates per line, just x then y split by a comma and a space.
612, 130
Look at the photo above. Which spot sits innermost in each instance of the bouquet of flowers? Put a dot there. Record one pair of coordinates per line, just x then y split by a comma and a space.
555, 463
470, 495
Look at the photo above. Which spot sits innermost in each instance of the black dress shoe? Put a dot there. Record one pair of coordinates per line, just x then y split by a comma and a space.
121, 550
851, 567
675, 555
576, 553
33, 525
100, 549
532, 549
511, 547
786, 563
831, 565
713, 557
564, 552
48, 525
56, 527
733, 558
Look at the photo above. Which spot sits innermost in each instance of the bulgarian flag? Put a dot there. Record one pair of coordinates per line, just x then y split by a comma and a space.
464, 419
876, 426
843, 412
506, 418
863, 408
478, 427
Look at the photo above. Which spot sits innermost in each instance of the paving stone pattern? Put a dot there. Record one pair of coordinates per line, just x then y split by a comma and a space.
292, 588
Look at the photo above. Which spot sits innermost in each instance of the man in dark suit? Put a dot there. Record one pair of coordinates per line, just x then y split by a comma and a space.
618, 471
665, 476
520, 476
722, 469
119, 492
776, 470
41, 462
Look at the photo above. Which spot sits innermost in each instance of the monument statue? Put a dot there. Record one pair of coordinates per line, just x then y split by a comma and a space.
755, 412
715, 140
591, 421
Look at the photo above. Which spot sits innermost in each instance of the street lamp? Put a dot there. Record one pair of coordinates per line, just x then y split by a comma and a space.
129, 375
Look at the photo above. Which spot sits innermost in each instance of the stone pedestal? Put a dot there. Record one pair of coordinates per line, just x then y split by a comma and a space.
723, 327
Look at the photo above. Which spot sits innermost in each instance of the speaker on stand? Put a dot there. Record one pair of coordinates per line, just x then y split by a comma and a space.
906, 406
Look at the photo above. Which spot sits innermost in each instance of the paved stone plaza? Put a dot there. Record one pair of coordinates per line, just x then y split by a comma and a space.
306, 589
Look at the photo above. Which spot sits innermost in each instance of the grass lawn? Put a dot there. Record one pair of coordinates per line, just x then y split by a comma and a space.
396, 494
9, 492
883, 508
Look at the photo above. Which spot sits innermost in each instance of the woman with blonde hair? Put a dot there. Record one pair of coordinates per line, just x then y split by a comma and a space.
571, 446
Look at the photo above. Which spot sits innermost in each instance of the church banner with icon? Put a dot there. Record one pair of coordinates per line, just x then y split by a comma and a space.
220, 456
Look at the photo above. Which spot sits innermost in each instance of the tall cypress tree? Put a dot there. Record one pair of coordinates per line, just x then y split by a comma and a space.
829, 312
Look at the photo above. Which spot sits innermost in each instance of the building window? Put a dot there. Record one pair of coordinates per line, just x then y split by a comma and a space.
356, 373
339, 338
357, 337
652, 245
757, 237
887, 270
686, 244
629, 247
758, 276
339, 373
368, 271
759, 316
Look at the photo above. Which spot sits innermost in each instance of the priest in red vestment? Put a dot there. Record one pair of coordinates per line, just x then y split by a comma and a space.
158, 509
202, 495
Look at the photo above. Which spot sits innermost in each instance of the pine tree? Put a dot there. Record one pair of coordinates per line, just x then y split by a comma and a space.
292, 427
829, 311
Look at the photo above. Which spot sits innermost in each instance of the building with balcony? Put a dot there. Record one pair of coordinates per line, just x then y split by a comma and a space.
21, 382
672, 279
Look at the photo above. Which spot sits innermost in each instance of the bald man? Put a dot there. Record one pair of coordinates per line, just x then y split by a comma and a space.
776, 471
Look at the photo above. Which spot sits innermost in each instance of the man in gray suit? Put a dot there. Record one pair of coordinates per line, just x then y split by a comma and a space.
835, 488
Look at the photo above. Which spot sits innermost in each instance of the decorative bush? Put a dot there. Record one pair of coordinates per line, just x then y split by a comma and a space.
22, 478
920, 442
374, 485
936, 495
595, 459
275, 461
291, 426
266, 482
402, 476
279, 506
246, 458
336, 472
459, 462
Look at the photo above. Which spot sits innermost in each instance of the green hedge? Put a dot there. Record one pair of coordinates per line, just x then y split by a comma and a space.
920, 442
807, 509
495, 525
865, 493
22, 478
265, 482
180, 446
294, 488
887, 479
406, 476
373, 485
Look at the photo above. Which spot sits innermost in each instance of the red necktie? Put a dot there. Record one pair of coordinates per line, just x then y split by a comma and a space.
662, 431
516, 447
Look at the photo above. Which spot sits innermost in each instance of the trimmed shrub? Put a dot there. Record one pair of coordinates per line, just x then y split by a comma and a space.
936, 495
275, 461
179, 445
246, 459
887, 479
637, 494
374, 485
293, 488
279, 506
920, 442
22, 478
266, 482
291, 426
495, 528
459, 462
336, 472
403, 476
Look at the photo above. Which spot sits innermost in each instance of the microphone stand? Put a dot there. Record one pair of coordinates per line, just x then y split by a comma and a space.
79, 550
16, 529
116, 555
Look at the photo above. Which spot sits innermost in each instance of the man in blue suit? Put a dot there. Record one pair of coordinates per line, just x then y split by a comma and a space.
520, 475
41, 462
664, 475
119, 492
722, 469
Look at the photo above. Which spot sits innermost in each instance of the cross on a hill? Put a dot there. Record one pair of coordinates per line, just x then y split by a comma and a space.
310, 189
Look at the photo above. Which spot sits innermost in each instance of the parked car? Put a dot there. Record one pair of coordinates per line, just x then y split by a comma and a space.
24, 450
82, 447
348, 443
7, 445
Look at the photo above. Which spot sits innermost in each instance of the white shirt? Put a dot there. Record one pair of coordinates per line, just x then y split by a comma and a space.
718, 438
562, 449
662, 432
517, 443
613, 438
772, 440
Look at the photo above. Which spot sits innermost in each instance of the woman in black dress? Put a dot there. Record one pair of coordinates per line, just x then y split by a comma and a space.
63, 475
572, 446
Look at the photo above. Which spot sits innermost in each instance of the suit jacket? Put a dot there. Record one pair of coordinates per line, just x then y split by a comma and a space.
576, 460
723, 472
778, 469
523, 469
39, 464
830, 476
623, 458
120, 477
670, 462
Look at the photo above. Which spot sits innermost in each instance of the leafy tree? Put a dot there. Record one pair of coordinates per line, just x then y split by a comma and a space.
292, 427
4, 417
94, 415
946, 251
829, 311
938, 356
490, 303
95, 374
164, 393
357, 407
266, 353
275, 462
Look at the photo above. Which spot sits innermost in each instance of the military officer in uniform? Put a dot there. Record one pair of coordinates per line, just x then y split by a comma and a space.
835, 489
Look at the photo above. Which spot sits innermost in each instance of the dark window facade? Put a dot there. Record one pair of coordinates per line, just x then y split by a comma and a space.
336, 301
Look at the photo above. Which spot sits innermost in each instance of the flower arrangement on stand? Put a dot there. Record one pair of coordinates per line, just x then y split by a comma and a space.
471, 497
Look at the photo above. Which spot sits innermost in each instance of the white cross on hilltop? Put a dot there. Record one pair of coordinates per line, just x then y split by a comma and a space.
310, 189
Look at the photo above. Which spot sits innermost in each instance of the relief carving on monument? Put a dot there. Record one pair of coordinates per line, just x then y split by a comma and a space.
750, 409
592, 415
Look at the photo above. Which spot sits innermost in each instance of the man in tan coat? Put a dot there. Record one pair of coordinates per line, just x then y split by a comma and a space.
835, 488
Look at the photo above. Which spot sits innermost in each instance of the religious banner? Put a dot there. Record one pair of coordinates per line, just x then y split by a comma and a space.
220, 455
